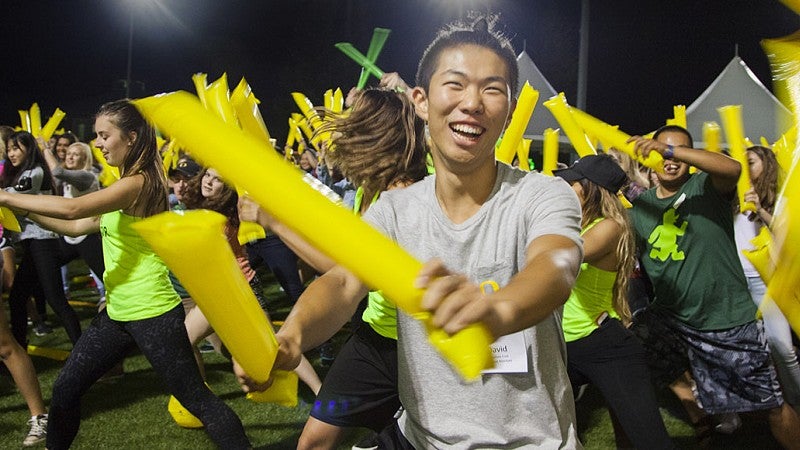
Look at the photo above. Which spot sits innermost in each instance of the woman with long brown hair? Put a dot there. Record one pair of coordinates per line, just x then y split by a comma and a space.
600, 348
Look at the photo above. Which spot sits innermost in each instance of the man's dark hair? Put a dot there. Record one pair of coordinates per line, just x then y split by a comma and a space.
479, 29
675, 129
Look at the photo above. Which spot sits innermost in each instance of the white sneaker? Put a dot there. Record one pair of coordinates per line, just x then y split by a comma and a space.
38, 432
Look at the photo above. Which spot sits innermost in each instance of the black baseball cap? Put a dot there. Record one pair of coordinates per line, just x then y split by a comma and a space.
186, 167
601, 170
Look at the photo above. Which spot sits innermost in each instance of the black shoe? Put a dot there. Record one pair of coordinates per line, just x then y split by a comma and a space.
42, 329
326, 354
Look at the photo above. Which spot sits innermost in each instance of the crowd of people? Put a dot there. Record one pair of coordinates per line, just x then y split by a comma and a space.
585, 291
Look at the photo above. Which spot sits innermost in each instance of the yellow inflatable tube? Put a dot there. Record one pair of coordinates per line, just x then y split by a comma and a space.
550, 151
560, 109
711, 132
279, 188
616, 139
519, 121
734, 133
194, 247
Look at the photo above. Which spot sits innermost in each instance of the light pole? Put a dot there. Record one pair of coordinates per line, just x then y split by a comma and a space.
130, 53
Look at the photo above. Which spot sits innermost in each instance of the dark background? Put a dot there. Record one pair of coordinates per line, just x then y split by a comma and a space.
644, 56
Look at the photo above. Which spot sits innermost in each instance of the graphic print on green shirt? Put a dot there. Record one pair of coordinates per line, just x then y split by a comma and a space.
664, 238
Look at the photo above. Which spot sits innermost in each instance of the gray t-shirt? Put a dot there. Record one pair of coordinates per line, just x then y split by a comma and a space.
533, 409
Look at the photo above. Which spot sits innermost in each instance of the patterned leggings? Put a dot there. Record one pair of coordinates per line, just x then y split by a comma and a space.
165, 344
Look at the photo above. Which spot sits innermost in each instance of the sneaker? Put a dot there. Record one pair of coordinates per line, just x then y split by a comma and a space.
206, 347
42, 329
727, 423
38, 431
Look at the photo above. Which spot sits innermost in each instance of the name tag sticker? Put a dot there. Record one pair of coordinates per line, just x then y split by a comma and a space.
509, 354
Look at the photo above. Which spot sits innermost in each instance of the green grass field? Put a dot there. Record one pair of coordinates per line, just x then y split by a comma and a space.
131, 412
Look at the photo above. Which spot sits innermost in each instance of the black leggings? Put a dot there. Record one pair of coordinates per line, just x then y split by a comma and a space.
165, 344
39, 269
90, 249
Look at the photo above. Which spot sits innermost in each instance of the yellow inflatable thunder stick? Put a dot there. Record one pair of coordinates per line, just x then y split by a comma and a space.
523, 153
711, 134
784, 287
52, 123
24, 120
310, 121
8, 220
217, 96
200, 81
279, 188
734, 133
616, 138
170, 157
36, 120
550, 151
784, 152
302, 124
678, 116
245, 104
194, 247
516, 128
379, 36
560, 109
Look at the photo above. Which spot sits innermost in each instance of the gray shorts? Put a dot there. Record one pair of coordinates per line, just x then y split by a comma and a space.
732, 368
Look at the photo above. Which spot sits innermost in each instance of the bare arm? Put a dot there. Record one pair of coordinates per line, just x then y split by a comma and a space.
544, 284
723, 170
249, 211
600, 241
52, 162
119, 195
74, 228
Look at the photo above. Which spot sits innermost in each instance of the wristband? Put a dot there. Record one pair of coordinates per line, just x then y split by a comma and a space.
669, 153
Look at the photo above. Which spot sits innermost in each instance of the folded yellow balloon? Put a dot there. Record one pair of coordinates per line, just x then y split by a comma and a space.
279, 188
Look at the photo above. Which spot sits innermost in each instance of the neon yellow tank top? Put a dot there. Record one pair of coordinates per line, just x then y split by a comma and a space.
380, 314
592, 295
136, 279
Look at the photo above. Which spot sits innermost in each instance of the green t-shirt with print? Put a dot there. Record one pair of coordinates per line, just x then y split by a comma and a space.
686, 245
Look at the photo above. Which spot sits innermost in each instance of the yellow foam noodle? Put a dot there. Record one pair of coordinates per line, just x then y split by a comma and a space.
678, 116
519, 121
52, 123
560, 109
550, 151
282, 392
731, 116
190, 243
245, 104
761, 254
616, 139
24, 120
711, 134
523, 151
200, 81
279, 188
8, 220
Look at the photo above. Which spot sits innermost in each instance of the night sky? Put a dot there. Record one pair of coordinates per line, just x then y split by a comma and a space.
644, 56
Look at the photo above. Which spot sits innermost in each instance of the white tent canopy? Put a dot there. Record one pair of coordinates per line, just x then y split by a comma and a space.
541, 118
762, 113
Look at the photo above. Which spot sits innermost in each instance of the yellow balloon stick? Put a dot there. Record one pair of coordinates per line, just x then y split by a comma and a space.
108, 174
24, 119
9, 220
302, 123
245, 104
616, 138
783, 287
218, 100
784, 152
560, 109
519, 121
711, 136
734, 133
291, 138
328, 99
279, 188
761, 254
52, 123
200, 84
190, 243
678, 116
338, 101
550, 151
307, 108
36, 120
523, 151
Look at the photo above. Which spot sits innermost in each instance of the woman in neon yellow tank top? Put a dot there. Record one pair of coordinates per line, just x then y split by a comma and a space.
143, 309
379, 144
600, 349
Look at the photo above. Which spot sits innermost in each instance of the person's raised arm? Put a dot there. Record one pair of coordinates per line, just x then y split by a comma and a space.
552, 263
81, 179
723, 170
119, 195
